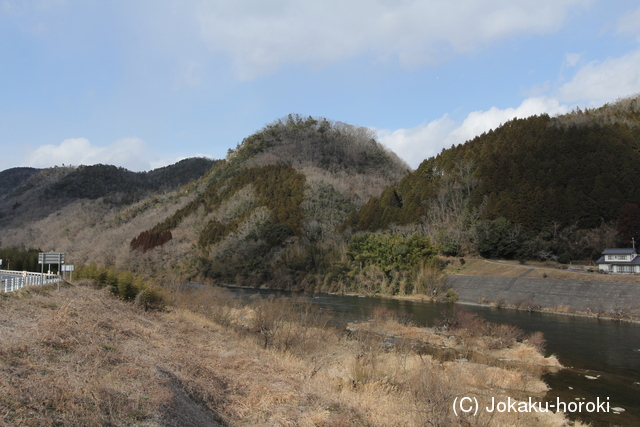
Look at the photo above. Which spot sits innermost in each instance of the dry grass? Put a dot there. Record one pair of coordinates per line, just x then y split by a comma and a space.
482, 267
80, 356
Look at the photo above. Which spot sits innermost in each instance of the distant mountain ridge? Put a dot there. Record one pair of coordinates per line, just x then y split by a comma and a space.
12, 178
308, 203
35, 193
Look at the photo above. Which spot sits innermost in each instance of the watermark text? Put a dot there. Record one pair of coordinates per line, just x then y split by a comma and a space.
468, 405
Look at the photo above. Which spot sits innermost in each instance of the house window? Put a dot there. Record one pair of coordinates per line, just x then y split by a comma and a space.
625, 268
617, 258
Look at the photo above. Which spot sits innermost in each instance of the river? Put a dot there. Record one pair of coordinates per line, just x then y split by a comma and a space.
603, 349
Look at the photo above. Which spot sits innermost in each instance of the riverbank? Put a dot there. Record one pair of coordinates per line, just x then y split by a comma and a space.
534, 287
543, 289
81, 356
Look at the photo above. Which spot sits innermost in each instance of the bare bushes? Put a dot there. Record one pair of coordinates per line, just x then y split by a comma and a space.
433, 390
537, 341
289, 324
492, 335
286, 324
371, 280
408, 364
217, 304
429, 278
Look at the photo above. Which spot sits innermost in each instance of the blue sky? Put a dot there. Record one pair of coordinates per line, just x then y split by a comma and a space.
144, 83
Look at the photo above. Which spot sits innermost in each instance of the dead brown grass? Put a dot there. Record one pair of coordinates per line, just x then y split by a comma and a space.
483, 267
80, 356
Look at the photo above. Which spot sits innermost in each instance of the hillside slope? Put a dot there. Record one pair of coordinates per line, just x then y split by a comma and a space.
531, 178
269, 210
12, 178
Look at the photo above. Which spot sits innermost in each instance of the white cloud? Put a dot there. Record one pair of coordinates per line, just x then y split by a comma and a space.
428, 139
571, 60
261, 36
629, 24
604, 81
130, 153
592, 85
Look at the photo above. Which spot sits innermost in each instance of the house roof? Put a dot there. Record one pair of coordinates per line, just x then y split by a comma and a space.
635, 261
619, 251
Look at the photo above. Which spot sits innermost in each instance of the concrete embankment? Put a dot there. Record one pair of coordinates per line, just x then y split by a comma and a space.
523, 292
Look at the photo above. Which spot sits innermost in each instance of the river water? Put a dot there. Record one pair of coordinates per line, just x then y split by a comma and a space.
603, 349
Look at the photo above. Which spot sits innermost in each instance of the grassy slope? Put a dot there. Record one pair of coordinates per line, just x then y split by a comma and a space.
483, 267
79, 356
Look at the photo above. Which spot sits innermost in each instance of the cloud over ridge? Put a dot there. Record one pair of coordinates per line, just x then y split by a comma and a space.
129, 153
261, 37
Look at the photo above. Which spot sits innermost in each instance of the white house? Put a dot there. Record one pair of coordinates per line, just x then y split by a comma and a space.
619, 261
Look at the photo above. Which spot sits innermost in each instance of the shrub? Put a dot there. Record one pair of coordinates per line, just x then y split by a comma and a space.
151, 298
564, 258
503, 336
288, 324
462, 320
537, 341
429, 278
451, 295
124, 284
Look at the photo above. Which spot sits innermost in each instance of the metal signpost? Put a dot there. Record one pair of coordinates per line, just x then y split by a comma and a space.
50, 258
69, 268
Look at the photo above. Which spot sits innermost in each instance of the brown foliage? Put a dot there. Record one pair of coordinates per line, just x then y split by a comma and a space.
148, 240
471, 326
537, 341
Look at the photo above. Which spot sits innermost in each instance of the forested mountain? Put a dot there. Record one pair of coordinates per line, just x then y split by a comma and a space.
269, 211
526, 188
28, 194
307, 203
12, 178
266, 214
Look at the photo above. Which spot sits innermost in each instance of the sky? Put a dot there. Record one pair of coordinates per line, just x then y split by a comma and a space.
145, 83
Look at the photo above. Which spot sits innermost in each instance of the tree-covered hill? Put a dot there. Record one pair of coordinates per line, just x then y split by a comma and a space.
540, 176
12, 178
276, 200
122, 186
29, 194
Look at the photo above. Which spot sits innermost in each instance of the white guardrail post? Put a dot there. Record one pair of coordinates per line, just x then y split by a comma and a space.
14, 280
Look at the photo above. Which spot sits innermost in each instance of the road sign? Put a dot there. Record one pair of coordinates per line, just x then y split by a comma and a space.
51, 258
68, 267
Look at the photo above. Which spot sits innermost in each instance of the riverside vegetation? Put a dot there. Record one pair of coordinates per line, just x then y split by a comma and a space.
84, 356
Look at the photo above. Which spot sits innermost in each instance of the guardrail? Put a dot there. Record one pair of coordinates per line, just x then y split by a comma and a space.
14, 280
